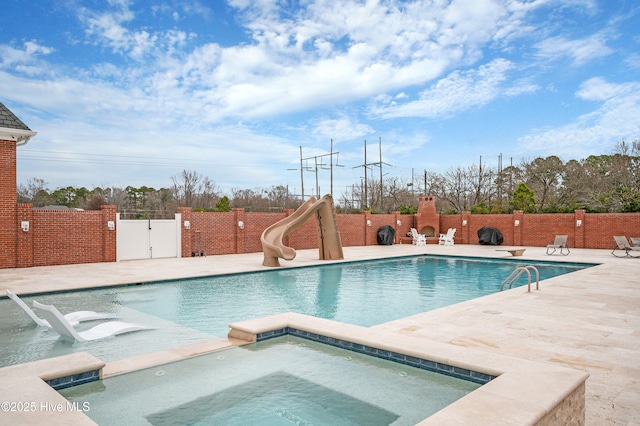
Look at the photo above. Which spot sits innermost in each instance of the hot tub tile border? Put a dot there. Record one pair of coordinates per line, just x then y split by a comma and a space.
74, 380
425, 364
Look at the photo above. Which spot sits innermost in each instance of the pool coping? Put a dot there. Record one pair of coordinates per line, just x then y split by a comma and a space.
523, 392
519, 392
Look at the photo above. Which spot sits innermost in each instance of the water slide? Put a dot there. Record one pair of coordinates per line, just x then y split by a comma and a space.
330, 246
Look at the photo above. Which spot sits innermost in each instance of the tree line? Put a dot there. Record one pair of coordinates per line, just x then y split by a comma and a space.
598, 183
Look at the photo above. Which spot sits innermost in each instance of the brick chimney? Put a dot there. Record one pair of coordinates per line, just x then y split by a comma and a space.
427, 220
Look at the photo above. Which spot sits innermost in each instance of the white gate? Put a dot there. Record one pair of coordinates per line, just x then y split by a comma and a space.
148, 239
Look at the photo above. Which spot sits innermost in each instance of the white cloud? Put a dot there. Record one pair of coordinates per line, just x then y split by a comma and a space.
345, 128
110, 28
331, 58
579, 51
30, 53
459, 91
595, 132
520, 87
598, 89
633, 60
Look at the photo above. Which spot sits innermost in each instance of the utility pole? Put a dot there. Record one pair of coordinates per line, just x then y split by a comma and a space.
425, 182
500, 183
380, 156
366, 165
363, 205
317, 166
301, 175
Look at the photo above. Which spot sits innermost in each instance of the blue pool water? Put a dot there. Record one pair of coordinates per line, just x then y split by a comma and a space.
361, 293
195, 310
282, 381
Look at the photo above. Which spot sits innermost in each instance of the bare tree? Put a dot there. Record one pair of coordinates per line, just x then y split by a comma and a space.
280, 198
194, 190
35, 192
456, 188
117, 197
397, 193
247, 199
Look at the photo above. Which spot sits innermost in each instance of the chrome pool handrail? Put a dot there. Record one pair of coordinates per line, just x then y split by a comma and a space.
519, 271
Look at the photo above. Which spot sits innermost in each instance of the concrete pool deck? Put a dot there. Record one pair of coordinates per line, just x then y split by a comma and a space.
588, 320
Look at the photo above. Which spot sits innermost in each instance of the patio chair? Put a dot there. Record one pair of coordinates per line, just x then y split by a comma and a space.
635, 242
623, 244
61, 326
560, 243
447, 239
418, 238
74, 318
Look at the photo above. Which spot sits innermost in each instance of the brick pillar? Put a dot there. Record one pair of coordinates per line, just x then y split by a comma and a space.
24, 249
580, 215
463, 232
109, 235
518, 216
367, 228
187, 235
396, 218
8, 206
240, 234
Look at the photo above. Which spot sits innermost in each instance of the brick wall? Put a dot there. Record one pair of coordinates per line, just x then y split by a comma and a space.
596, 230
25, 239
63, 237
8, 205
68, 237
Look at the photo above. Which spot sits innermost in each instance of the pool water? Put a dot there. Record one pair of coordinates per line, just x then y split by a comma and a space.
361, 293
277, 382
195, 310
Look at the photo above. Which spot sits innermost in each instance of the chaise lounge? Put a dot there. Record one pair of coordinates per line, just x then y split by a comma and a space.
61, 326
74, 318
623, 244
560, 243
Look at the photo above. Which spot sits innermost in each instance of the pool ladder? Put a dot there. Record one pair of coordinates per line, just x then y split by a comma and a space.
519, 271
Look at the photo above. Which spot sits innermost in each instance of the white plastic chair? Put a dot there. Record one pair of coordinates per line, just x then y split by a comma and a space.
61, 326
74, 318
418, 238
447, 239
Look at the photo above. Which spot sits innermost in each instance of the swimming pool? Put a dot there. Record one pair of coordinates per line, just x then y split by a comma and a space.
195, 310
279, 381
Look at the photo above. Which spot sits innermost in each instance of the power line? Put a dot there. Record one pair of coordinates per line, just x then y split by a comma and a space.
366, 165
125, 160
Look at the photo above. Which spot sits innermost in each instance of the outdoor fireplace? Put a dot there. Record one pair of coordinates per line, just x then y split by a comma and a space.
427, 220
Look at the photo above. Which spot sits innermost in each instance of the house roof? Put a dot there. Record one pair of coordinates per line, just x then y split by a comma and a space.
12, 128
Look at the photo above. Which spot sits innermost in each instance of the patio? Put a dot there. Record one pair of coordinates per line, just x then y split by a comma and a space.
588, 320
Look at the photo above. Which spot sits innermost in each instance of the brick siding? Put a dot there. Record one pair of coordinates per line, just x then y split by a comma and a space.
8, 207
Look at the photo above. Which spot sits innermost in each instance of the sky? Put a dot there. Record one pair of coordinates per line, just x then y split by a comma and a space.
131, 93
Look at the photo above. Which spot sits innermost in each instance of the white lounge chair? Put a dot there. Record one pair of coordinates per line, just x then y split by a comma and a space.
74, 318
623, 244
418, 238
559, 243
447, 239
61, 326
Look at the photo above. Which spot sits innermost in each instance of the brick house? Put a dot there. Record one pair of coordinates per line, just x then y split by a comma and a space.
13, 133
